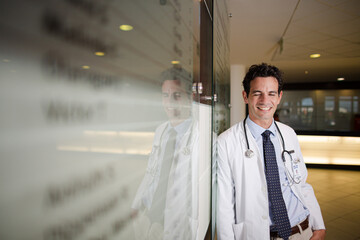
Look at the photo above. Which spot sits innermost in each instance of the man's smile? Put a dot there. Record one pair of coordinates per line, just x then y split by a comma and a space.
264, 108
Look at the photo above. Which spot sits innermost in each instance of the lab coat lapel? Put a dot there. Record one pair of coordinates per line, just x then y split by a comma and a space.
257, 155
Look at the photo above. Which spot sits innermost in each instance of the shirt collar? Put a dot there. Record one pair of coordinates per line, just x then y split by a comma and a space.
183, 127
257, 130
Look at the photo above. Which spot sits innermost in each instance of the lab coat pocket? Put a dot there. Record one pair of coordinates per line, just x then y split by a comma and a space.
239, 230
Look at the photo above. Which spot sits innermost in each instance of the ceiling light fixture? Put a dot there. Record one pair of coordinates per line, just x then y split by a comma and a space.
85, 67
175, 62
341, 79
100, 54
315, 55
126, 27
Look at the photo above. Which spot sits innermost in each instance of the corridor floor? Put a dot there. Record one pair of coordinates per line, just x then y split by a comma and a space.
338, 193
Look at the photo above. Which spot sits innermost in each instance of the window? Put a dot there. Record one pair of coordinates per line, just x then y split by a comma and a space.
326, 111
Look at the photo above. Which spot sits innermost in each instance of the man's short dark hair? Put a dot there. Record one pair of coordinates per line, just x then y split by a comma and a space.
262, 70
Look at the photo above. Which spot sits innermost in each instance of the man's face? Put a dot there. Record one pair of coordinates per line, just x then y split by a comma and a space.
176, 101
263, 100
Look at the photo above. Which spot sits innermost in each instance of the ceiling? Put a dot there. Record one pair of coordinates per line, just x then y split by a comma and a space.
328, 27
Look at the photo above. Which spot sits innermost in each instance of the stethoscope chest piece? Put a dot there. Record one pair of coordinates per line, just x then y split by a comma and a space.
249, 153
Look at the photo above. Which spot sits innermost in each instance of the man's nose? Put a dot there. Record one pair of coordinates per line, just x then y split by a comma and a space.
263, 97
169, 100
172, 98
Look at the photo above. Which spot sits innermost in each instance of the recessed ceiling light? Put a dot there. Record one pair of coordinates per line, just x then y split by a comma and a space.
341, 79
306, 72
85, 67
126, 28
175, 62
315, 55
100, 54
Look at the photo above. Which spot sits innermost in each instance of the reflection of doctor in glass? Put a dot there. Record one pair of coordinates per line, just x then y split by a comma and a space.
167, 196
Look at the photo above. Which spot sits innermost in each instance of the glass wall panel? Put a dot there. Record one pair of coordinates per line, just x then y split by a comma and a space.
331, 111
100, 130
221, 83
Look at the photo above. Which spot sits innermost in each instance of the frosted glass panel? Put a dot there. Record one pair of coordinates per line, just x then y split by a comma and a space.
90, 91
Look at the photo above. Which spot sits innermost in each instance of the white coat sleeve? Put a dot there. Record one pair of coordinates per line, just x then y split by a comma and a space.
225, 215
316, 219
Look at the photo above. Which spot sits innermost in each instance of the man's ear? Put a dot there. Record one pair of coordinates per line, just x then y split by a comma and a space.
280, 96
245, 97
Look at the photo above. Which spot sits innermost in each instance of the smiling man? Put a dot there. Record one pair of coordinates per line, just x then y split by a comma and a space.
261, 174
166, 203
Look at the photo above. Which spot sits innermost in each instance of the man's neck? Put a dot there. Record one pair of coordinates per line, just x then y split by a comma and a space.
266, 123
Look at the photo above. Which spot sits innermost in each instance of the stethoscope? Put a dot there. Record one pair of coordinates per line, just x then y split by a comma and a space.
250, 153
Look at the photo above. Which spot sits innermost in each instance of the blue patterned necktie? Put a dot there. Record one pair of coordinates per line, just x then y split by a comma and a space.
156, 212
278, 207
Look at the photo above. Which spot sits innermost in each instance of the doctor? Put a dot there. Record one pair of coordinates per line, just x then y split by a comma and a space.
167, 198
262, 189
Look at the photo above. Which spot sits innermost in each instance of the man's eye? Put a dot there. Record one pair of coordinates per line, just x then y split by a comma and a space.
177, 95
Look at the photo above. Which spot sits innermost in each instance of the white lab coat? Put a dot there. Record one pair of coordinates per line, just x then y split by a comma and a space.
242, 206
181, 208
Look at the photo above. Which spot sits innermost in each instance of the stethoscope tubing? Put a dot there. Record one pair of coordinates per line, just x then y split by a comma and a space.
247, 140
249, 153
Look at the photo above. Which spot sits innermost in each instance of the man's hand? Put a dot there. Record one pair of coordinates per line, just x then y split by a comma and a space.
318, 235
